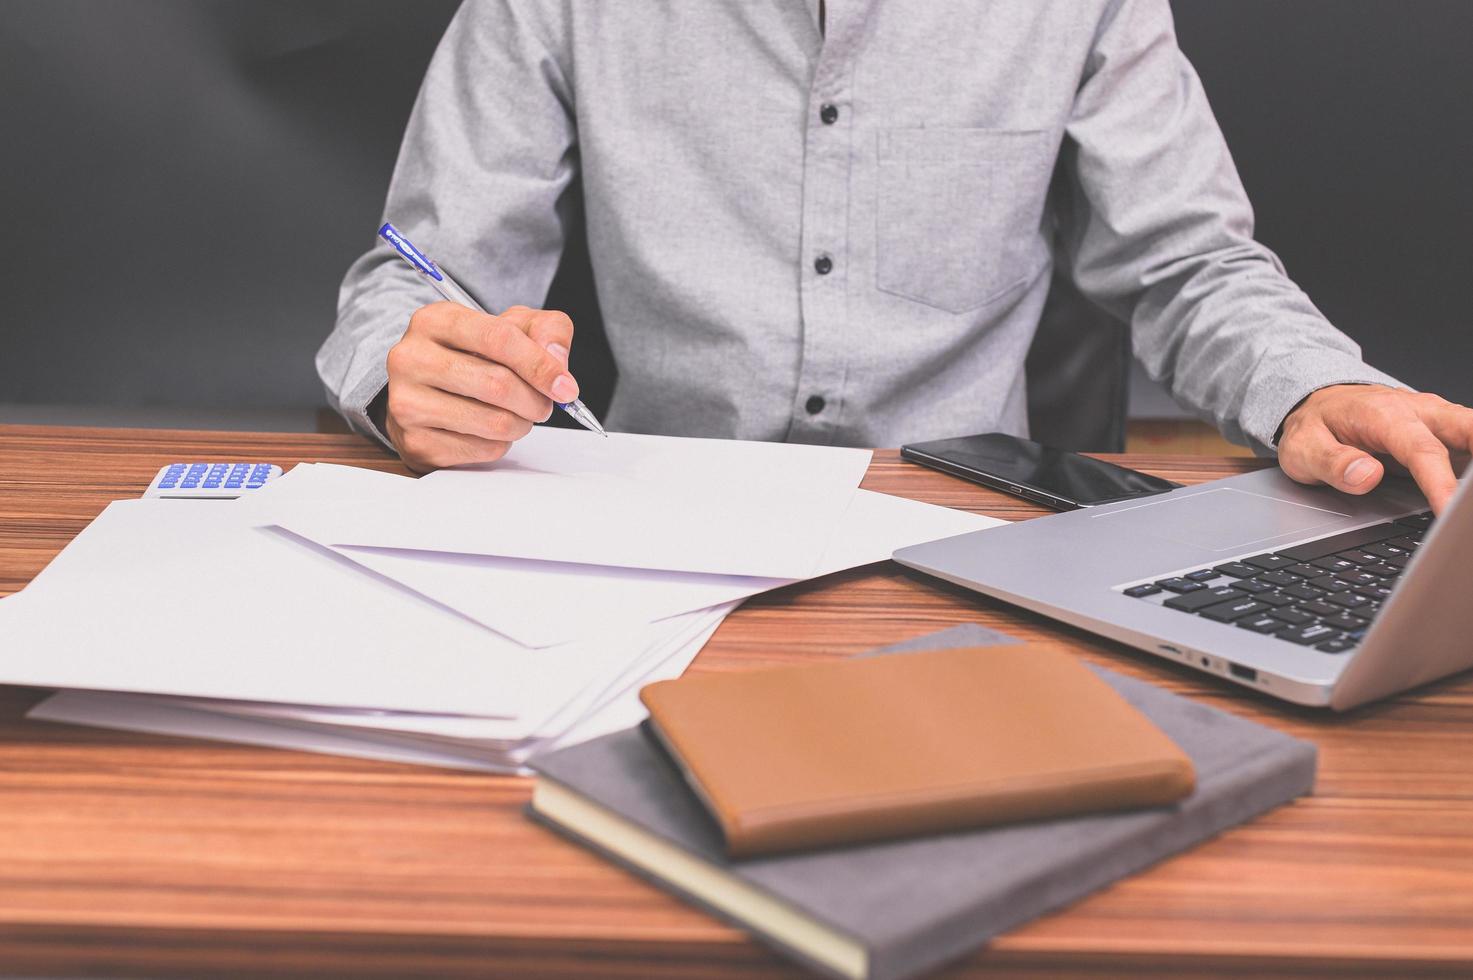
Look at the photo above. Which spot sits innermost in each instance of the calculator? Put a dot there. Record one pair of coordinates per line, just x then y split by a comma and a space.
210, 481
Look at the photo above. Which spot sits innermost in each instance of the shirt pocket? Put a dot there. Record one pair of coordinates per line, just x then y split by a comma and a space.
958, 213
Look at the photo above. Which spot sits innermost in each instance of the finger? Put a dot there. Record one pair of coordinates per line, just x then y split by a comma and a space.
501, 339
423, 407
1453, 424
1425, 457
1312, 454
427, 449
552, 329
463, 374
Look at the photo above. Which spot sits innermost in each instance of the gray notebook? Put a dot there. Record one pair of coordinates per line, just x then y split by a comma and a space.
897, 908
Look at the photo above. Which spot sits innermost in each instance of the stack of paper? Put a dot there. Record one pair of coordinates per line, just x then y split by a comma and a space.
472, 618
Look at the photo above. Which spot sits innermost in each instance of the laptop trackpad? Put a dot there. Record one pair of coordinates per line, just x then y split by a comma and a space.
1223, 520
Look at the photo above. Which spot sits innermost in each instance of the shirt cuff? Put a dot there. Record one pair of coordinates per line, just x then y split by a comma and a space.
1278, 387
365, 406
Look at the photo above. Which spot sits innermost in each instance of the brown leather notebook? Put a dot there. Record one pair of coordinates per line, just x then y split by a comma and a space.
803, 757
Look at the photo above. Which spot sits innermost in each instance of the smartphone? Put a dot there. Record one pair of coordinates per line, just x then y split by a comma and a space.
1055, 478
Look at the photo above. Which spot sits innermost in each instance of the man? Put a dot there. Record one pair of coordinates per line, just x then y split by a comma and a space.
839, 225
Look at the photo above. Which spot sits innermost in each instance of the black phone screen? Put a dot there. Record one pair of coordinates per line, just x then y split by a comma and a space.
1054, 477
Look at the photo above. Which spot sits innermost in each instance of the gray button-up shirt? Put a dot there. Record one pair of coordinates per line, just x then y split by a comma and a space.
841, 235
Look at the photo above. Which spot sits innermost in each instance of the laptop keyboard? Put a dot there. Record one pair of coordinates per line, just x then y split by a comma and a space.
1322, 593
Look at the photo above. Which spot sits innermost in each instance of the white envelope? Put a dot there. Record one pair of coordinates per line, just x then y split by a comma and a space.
192, 719
546, 603
679, 635
187, 598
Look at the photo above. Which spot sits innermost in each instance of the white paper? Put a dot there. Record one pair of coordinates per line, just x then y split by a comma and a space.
712, 506
155, 715
186, 598
625, 709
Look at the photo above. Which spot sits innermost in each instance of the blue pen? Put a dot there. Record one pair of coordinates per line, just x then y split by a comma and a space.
451, 290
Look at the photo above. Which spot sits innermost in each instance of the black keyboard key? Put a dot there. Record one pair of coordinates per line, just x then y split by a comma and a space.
1141, 591
1334, 563
1179, 585
1359, 578
1382, 570
1226, 612
1376, 592
1201, 575
1303, 592
1276, 599
1303, 570
1292, 616
1278, 578
1192, 601
1348, 600
1317, 608
1328, 584
1305, 635
1269, 562
1237, 569
1252, 586
1400, 561
1357, 556
1344, 621
1335, 646
1358, 538
1260, 624
1422, 520
1384, 550
1408, 543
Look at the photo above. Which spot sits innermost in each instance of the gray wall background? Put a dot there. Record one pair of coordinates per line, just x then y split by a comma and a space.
183, 182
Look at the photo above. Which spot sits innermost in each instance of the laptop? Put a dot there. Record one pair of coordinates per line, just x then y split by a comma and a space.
1302, 593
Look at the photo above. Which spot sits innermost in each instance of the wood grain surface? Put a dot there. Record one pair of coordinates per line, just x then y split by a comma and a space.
134, 855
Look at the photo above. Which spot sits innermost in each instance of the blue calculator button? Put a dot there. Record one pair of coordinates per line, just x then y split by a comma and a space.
189, 484
253, 485
212, 484
168, 484
232, 484
176, 468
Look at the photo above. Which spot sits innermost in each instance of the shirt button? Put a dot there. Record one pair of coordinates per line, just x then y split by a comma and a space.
829, 113
815, 404
823, 265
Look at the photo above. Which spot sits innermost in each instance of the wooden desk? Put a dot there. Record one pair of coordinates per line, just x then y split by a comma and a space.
136, 855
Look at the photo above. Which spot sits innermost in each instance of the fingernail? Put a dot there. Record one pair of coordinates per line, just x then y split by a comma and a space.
1359, 472
558, 351
564, 389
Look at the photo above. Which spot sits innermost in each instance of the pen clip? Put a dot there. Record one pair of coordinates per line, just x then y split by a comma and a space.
404, 247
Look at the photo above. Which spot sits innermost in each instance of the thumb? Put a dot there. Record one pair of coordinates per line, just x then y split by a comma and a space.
1312, 454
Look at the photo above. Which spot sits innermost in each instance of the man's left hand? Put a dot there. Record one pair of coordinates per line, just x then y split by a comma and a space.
1331, 435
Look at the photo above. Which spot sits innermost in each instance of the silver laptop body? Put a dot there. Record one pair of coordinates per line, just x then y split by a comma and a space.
1076, 566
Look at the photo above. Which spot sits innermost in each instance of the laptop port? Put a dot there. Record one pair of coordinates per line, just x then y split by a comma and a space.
1243, 673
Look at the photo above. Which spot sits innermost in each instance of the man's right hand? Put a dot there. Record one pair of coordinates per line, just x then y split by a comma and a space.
463, 386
